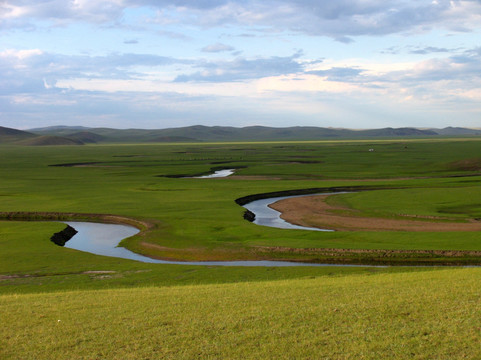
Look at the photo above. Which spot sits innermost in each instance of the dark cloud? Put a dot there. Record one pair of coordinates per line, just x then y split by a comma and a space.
131, 41
60, 11
341, 19
418, 50
344, 39
429, 50
243, 69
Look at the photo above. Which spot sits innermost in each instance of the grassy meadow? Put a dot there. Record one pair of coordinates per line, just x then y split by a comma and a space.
185, 311
426, 315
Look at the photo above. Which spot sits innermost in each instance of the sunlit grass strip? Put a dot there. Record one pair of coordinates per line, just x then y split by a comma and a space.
425, 315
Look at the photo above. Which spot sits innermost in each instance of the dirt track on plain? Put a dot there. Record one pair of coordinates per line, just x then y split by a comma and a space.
314, 211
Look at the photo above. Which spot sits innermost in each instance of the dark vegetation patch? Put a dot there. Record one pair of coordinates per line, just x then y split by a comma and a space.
469, 181
221, 162
127, 156
466, 165
249, 198
218, 168
211, 171
100, 163
380, 256
61, 237
180, 176
249, 215
467, 209
296, 161
77, 164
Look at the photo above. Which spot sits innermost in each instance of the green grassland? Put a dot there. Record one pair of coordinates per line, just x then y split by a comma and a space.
198, 219
426, 315
219, 312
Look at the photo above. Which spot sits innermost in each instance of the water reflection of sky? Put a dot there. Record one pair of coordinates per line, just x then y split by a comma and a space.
102, 239
217, 174
266, 216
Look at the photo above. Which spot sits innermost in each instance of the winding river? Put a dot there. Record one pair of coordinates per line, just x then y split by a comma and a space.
103, 239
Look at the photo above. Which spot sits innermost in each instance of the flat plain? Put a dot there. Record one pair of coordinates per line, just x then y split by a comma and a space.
186, 311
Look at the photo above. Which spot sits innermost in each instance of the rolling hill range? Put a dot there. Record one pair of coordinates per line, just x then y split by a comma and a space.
225, 133
78, 135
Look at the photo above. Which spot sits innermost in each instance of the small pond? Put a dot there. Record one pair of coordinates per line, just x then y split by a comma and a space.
216, 174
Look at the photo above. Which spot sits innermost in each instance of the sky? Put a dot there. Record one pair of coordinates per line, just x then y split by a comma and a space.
156, 64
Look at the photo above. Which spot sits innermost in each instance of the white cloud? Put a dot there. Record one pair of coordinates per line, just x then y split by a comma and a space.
20, 54
34, 71
237, 89
217, 47
41, 100
9, 11
304, 83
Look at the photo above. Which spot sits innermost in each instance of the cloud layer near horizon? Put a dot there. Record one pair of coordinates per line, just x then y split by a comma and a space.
126, 63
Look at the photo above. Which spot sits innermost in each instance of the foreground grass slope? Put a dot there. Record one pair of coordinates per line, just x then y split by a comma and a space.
421, 315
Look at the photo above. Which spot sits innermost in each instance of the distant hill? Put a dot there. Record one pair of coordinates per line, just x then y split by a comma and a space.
8, 135
59, 129
458, 131
198, 133
86, 137
399, 132
19, 137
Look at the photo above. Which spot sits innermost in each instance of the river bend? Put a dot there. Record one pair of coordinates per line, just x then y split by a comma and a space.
103, 239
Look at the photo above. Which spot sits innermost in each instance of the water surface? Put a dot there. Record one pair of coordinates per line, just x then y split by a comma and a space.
266, 216
217, 174
102, 239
